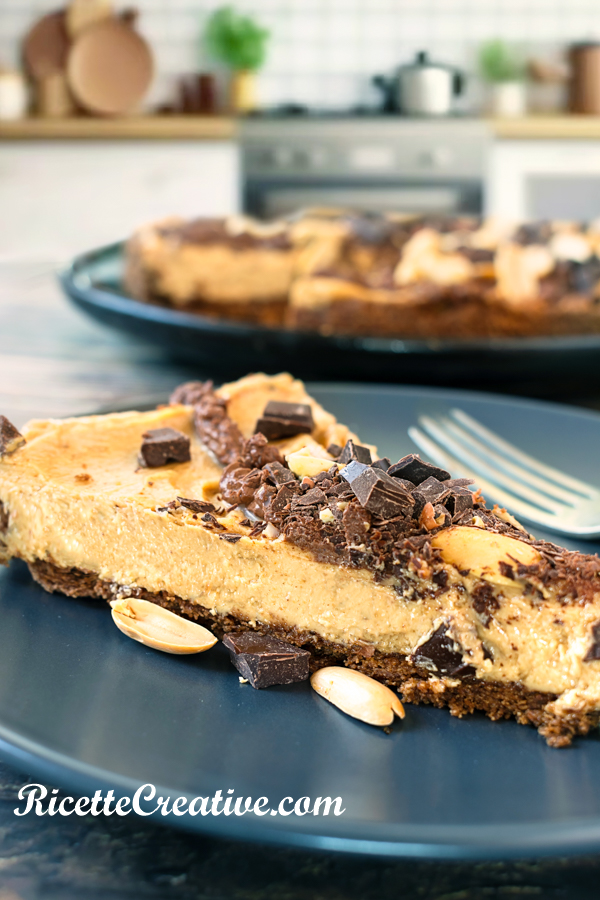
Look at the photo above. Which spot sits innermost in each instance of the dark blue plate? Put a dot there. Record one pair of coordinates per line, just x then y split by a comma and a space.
84, 707
532, 366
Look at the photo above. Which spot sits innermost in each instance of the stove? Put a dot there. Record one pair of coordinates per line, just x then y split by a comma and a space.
292, 158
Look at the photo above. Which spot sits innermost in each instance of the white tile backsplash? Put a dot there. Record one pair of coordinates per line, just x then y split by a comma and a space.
324, 52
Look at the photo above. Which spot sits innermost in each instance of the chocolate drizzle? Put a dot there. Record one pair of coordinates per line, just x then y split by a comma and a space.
217, 431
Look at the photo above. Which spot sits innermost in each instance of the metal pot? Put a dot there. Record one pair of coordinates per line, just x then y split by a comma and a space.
422, 88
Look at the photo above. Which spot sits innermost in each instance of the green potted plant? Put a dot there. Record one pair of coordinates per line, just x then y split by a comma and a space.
504, 72
241, 43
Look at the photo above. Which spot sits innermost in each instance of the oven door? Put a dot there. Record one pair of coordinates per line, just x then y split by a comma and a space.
272, 199
544, 179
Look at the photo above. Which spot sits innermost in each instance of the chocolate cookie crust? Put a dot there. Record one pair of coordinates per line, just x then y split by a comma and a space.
495, 699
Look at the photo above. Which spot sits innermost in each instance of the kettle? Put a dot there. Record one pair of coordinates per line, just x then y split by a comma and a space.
422, 88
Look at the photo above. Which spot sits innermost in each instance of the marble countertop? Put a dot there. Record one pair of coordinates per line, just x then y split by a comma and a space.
54, 361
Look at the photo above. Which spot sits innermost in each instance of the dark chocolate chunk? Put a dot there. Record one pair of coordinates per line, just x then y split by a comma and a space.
161, 446
284, 496
352, 471
442, 655
230, 538
357, 522
197, 506
334, 450
584, 276
458, 484
258, 529
280, 420
432, 489
10, 437
459, 501
506, 569
382, 463
594, 650
485, 602
487, 651
171, 506
209, 519
279, 474
533, 233
417, 470
377, 492
312, 497
355, 451
265, 660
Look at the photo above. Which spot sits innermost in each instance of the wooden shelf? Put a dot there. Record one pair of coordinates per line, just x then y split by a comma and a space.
533, 127
139, 127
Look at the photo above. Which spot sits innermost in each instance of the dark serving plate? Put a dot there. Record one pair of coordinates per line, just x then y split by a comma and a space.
84, 707
534, 366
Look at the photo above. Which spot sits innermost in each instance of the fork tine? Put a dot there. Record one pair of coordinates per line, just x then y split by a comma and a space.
442, 458
530, 479
463, 453
490, 437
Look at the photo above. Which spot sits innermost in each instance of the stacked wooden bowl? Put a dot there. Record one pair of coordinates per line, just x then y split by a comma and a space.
86, 59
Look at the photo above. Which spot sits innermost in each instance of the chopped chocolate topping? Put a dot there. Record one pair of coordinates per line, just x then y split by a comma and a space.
209, 519
379, 493
400, 529
279, 474
312, 497
459, 501
259, 527
457, 484
382, 463
171, 506
441, 654
197, 506
230, 538
214, 427
417, 470
3, 518
265, 660
280, 420
161, 446
594, 650
353, 470
485, 602
355, 451
357, 522
429, 491
10, 437
334, 450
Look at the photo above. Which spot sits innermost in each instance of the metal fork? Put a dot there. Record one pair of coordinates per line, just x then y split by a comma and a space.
532, 490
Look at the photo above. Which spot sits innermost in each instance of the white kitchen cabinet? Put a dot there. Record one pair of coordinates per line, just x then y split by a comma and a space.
544, 179
59, 197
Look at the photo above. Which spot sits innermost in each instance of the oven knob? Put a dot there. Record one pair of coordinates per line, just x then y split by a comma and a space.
436, 158
309, 158
274, 157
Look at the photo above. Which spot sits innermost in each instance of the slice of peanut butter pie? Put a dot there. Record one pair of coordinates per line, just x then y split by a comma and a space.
250, 508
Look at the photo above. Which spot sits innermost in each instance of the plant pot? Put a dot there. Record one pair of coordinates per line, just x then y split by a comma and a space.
242, 91
507, 99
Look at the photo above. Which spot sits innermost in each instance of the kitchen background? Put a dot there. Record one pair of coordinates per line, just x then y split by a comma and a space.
323, 52
318, 134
